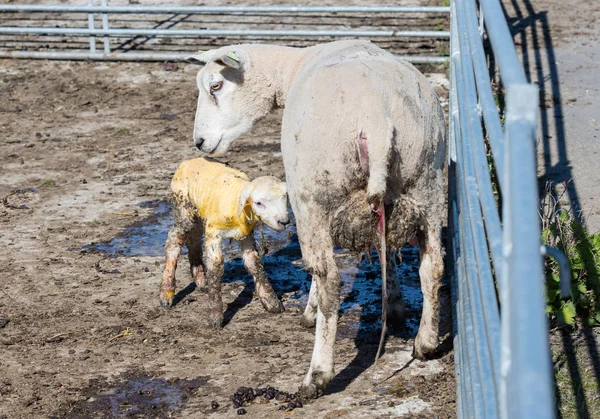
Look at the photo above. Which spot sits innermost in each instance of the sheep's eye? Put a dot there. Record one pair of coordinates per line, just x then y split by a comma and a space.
260, 204
215, 86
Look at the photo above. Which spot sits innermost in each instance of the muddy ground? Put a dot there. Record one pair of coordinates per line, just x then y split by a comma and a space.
87, 152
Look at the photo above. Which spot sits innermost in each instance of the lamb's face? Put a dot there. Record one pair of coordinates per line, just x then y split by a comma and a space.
269, 202
228, 105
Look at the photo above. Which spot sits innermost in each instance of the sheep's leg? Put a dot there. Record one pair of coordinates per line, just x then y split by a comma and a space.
262, 286
214, 264
396, 306
175, 240
194, 245
430, 272
317, 251
309, 318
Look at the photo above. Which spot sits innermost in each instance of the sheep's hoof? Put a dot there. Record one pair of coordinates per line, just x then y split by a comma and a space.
201, 288
307, 322
215, 322
425, 350
316, 388
166, 298
273, 305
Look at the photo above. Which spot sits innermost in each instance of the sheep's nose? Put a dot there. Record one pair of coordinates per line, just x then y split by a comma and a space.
199, 143
285, 223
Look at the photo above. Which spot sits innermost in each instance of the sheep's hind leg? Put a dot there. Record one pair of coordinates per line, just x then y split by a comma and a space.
317, 251
213, 261
262, 286
194, 245
309, 318
175, 240
396, 305
430, 272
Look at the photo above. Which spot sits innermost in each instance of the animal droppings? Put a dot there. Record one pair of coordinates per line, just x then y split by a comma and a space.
246, 395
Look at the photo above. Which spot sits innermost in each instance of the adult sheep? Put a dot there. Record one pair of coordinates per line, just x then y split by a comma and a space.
361, 131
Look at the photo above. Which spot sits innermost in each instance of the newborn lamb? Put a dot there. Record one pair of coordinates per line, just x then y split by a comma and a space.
220, 202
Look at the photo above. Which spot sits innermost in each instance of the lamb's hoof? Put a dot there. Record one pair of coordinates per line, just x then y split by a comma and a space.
202, 288
308, 322
273, 305
425, 350
215, 322
166, 298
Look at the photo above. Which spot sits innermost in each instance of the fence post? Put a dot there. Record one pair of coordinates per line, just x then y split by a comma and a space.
91, 27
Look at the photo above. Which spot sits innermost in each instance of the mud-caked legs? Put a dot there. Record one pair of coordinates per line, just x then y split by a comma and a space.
317, 252
214, 265
263, 288
309, 318
194, 245
175, 240
430, 272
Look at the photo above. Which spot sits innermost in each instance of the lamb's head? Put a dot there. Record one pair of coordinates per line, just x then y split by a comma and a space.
268, 197
229, 101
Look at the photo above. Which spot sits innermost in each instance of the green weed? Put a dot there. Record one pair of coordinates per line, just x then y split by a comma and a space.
48, 183
562, 230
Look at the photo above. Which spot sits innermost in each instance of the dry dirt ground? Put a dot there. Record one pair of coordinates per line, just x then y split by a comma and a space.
87, 152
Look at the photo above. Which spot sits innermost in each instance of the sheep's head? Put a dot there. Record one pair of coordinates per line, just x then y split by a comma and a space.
268, 197
228, 105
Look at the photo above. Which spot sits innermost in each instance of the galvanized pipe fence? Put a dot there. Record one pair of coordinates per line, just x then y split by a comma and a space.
108, 32
494, 263
501, 341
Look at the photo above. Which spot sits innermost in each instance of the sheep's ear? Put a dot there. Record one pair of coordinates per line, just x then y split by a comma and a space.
244, 198
200, 57
231, 59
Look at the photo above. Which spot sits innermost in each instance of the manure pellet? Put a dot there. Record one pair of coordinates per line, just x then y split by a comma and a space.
214, 405
241, 411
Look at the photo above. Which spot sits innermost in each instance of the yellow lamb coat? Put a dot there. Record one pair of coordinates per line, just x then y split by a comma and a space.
214, 190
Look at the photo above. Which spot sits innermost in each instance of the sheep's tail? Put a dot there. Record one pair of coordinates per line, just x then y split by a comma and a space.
380, 210
374, 147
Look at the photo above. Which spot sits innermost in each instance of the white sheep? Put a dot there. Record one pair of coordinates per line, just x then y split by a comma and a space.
220, 202
363, 144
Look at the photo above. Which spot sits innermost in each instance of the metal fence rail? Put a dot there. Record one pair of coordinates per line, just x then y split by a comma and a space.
501, 342
109, 32
495, 264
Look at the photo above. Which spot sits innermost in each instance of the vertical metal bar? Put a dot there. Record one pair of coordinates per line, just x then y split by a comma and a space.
105, 27
91, 27
526, 367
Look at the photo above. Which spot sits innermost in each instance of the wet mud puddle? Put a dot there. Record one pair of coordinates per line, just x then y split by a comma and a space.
138, 395
360, 308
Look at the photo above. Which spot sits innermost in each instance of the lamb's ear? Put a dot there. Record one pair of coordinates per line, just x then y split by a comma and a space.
201, 57
244, 197
231, 59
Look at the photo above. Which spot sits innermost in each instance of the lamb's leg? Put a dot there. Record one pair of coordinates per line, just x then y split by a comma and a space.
396, 306
262, 286
309, 318
317, 252
430, 272
175, 240
194, 245
213, 262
